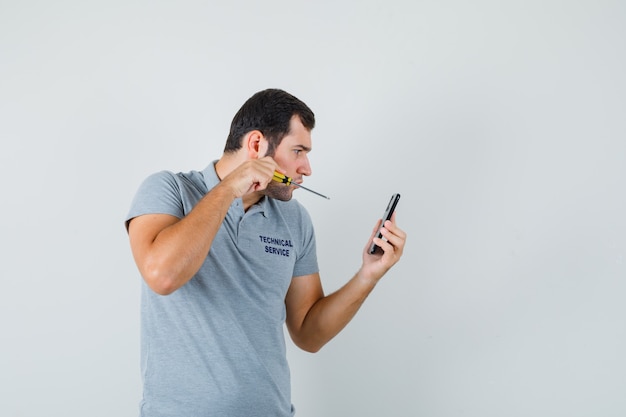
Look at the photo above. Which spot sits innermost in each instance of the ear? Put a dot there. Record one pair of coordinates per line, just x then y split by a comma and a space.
256, 145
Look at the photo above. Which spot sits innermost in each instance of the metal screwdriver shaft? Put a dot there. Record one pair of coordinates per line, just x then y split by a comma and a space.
309, 190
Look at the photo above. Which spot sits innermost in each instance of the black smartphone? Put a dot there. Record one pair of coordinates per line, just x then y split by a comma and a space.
388, 212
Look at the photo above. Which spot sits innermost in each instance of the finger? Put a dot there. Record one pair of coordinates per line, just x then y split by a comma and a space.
270, 165
396, 237
392, 225
393, 217
386, 246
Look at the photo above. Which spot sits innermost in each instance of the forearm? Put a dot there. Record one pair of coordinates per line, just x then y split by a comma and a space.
330, 314
313, 319
179, 250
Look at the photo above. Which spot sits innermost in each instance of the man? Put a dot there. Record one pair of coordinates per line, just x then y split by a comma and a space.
227, 258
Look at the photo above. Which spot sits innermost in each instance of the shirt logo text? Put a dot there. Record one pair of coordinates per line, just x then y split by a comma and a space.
276, 246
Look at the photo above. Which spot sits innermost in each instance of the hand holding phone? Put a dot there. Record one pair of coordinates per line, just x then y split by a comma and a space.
374, 248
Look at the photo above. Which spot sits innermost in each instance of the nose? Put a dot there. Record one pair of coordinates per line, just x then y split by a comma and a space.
305, 167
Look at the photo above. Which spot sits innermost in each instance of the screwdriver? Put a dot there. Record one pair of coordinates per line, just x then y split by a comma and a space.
278, 177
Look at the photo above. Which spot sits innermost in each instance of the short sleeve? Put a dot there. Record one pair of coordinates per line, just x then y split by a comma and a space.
158, 194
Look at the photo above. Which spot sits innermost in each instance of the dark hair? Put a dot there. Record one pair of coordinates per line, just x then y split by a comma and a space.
270, 112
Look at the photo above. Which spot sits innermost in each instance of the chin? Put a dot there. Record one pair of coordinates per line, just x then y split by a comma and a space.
279, 192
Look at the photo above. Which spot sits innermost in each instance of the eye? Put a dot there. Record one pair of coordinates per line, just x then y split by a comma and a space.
297, 151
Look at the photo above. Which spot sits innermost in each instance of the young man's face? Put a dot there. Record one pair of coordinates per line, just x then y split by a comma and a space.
292, 156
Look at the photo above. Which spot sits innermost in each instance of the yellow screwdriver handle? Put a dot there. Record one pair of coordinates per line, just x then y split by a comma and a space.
278, 177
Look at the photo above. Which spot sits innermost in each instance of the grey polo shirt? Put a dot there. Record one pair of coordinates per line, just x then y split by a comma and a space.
216, 347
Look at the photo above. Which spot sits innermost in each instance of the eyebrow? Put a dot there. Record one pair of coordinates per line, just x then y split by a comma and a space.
304, 148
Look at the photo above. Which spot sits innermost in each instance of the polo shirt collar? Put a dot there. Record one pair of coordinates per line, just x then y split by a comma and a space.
210, 176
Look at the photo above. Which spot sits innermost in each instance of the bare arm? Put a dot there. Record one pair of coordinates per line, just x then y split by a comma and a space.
314, 319
169, 251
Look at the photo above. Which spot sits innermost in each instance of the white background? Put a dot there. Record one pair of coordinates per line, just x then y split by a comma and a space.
502, 123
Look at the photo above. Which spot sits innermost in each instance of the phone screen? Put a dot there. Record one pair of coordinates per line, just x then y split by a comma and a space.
386, 216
